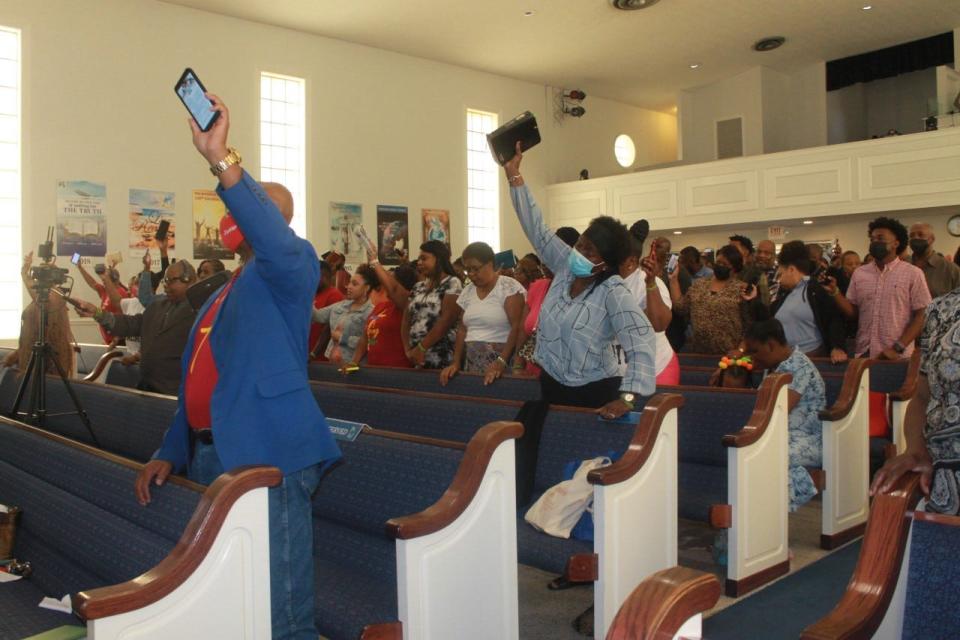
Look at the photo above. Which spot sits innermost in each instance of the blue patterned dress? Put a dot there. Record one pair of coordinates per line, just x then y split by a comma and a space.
804, 426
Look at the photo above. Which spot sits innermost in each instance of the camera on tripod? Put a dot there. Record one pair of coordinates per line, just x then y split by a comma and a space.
47, 275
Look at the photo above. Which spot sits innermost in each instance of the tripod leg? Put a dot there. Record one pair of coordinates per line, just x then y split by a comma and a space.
73, 396
24, 382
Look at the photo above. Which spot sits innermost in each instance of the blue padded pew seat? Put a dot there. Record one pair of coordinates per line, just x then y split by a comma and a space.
81, 526
126, 422
518, 388
121, 375
698, 359
930, 610
89, 355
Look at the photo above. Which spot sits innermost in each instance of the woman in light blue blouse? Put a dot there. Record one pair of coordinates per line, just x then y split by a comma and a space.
346, 320
766, 343
587, 307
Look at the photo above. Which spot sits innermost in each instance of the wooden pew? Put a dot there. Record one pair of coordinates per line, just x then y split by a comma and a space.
668, 604
149, 571
88, 356
904, 584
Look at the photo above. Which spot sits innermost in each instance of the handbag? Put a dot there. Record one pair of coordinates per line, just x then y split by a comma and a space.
560, 507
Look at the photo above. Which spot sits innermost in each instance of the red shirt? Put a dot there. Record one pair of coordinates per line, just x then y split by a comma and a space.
327, 297
202, 372
107, 305
384, 346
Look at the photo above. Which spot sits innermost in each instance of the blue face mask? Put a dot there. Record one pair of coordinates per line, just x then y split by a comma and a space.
580, 267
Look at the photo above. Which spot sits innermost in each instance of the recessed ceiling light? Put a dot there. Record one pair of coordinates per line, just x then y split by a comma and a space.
529, 13
769, 44
632, 5
695, 65
867, 7
678, 233
808, 222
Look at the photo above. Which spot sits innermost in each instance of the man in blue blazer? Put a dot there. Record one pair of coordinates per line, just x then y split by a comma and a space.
245, 396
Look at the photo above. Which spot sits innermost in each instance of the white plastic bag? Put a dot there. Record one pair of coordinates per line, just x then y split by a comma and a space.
559, 508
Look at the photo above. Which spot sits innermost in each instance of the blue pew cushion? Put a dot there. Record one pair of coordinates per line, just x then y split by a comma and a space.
930, 610
537, 549
699, 487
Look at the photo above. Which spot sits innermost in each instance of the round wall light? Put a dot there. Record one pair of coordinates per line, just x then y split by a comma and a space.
624, 150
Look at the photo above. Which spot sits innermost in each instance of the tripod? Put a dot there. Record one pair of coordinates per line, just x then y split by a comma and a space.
35, 376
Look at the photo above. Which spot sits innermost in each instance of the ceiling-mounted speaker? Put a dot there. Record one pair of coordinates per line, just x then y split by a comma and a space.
769, 44
632, 5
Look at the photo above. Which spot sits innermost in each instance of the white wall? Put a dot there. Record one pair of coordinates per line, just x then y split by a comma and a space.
382, 127
900, 102
701, 108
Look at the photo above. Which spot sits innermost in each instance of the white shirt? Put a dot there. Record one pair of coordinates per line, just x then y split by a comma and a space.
132, 307
638, 287
486, 320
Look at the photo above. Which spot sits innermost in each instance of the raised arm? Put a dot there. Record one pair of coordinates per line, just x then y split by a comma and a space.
89, 279
551, 249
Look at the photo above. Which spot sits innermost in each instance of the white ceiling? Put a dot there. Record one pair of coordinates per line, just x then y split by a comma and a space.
640, 57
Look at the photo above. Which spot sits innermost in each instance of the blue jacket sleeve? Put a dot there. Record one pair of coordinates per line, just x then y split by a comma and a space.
287, 262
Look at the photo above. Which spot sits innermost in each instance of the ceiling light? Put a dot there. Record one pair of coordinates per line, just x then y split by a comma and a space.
769, 44
678, 233
808, 222
529, 13
695, 65
632, 5
867, 7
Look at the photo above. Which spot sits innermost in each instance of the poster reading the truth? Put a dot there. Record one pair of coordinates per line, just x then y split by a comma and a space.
208, 208
436, 225
147, 209
392, 234
344, 218
81, 220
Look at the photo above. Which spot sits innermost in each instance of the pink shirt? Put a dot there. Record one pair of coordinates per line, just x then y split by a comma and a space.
886, 300
536, 294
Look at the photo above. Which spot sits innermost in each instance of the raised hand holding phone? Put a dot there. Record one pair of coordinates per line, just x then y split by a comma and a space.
650, 265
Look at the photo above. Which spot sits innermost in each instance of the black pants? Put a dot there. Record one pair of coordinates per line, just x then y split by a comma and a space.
592, 395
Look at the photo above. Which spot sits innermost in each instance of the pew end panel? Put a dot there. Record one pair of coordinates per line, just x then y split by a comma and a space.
464, 544
846, 459
872, 606
222, 557
635, 509
900, 399
99, 371
757, 481
668, 604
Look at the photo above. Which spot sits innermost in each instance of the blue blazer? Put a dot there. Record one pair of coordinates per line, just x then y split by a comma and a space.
262, 408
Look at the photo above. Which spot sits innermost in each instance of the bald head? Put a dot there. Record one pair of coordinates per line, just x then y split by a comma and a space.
921, 239
281, 197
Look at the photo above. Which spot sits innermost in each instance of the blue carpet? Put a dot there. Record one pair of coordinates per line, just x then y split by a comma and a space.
785, 609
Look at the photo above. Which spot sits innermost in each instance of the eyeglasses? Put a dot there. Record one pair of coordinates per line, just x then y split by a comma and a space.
176, 279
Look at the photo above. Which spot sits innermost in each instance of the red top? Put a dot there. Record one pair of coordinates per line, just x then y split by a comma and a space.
384, 346
202, 373
107, 305
535, 296
327, 297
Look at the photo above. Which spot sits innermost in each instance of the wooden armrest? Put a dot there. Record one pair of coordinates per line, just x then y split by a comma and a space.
910, 382
762, 413
102, 364
196, 541
663, 602
644, 438
864, 604
464, 487
848, 392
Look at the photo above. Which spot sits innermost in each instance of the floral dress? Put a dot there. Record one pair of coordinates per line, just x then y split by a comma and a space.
424, 309
804, 427
940, 362
718, 318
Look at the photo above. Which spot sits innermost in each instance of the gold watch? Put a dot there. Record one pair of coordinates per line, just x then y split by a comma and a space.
233, 157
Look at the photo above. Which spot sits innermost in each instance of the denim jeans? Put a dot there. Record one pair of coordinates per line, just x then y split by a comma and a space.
291, 544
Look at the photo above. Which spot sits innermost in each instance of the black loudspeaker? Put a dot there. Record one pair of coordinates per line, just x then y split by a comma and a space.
503, 141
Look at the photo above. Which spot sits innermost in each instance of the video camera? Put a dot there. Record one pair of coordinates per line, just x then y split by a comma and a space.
48, 275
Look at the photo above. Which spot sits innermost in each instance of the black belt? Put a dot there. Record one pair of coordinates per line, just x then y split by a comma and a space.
204, 436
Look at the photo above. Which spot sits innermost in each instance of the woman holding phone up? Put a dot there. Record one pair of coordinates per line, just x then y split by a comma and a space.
587, 307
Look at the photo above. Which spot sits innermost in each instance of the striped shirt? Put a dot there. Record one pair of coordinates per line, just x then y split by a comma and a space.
885, 301
574, 335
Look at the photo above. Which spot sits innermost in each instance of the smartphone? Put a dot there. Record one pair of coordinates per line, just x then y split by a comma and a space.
505, 260
672, 264
100, 269
192, 94
75, 259
162, 230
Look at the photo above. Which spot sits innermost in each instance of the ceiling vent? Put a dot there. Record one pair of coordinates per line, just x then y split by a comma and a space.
769, 44
632, 5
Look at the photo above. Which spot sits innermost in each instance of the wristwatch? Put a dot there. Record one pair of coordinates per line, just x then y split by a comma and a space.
233, 157
628, 399
898, 347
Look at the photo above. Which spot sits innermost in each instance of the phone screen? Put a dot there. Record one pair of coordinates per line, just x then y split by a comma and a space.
191, 92
672, 264
162, 230
75, 259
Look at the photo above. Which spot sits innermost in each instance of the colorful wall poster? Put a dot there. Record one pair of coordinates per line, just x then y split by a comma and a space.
208, 208
147, 209
81, 218
344, 218
392, 234
436, 225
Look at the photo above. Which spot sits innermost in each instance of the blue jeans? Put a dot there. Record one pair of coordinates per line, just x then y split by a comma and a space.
291, 544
